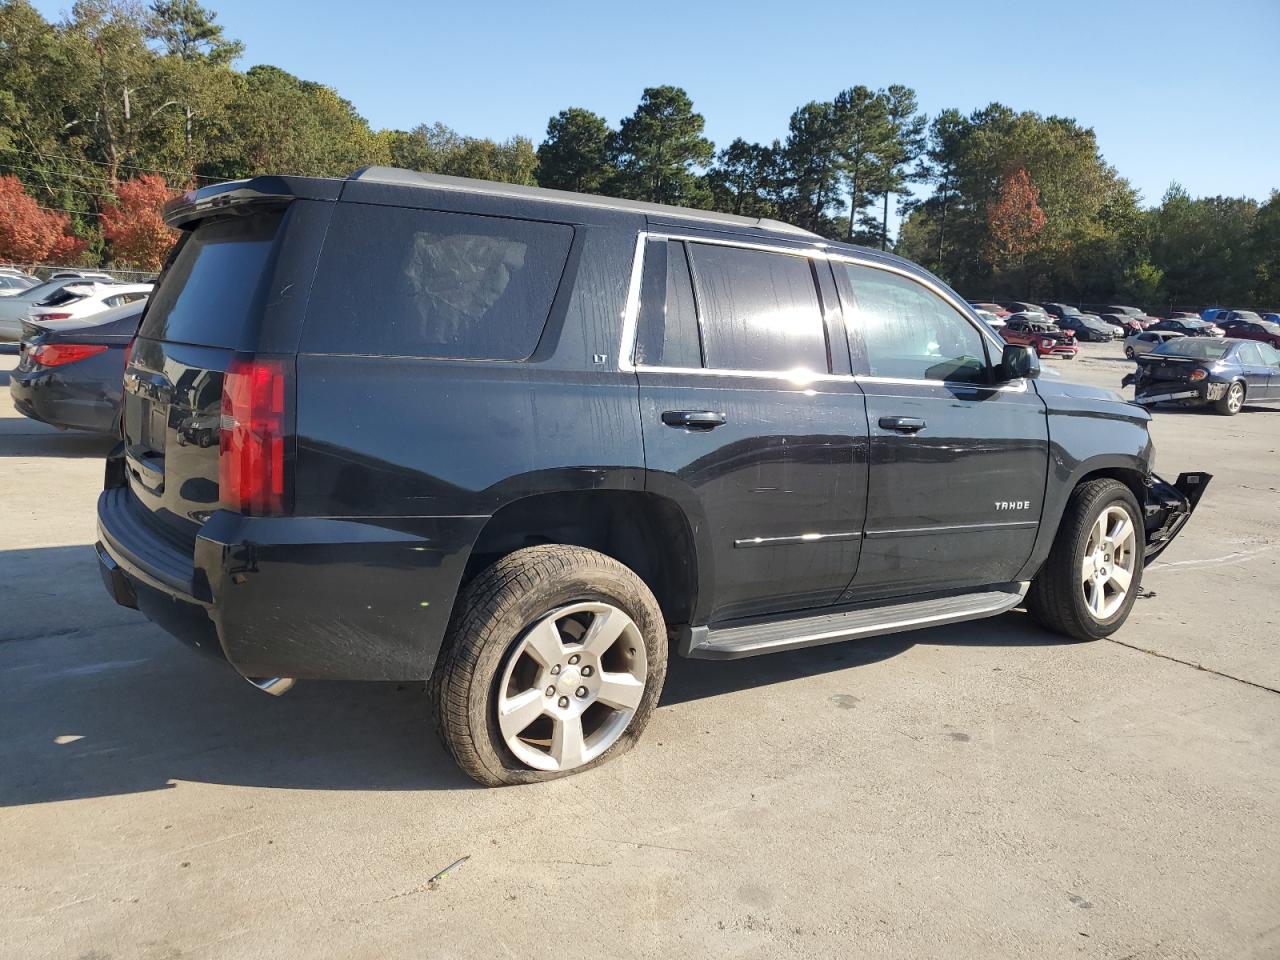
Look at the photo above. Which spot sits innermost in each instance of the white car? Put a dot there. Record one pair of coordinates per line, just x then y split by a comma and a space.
14, 309
83, 299
13, 284
992, 321
1137, 344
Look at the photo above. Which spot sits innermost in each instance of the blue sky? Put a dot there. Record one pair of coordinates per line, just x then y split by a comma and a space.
1175, 90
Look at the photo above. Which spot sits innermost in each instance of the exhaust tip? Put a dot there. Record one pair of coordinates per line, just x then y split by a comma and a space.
276, 686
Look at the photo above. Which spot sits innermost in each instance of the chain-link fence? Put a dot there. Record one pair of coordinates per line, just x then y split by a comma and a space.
46, 270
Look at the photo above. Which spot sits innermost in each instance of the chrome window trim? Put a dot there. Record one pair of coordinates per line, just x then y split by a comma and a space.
631, 310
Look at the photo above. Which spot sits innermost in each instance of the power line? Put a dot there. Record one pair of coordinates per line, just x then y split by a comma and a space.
102, 163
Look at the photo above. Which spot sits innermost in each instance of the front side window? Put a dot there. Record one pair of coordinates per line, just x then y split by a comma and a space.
394, 281
759, 310
909, 332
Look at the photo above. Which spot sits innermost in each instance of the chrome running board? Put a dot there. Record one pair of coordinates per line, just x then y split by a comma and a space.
730, 641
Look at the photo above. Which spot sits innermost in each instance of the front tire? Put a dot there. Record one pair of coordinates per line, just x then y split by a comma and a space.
1094, 572
552, 665
1128, 352
1232, 401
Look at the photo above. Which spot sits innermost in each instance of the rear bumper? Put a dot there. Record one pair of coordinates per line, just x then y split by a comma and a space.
40, 395
302, 597
1168, 506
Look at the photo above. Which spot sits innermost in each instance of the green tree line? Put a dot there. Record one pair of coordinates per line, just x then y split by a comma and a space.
998, 202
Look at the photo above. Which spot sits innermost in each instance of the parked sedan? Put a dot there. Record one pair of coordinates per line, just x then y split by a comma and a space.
1019, 306
1123, 322
82, 300
992, 320
12, 286
14, 309
1271, 317
1261, 330
1147, 340
1194, 371
1192, 328
71, 373
1088, 328
989, 307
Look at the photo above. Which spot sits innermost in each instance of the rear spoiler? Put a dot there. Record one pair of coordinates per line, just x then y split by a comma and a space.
246, 196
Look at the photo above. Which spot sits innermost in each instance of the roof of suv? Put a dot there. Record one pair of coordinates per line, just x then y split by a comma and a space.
194, 204
411, 178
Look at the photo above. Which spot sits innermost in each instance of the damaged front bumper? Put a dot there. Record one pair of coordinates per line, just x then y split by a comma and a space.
1168, 506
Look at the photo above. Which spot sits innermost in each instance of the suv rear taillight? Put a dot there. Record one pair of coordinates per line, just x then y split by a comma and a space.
251, 462
60, 354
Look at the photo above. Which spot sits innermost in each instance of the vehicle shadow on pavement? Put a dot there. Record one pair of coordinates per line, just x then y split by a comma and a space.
95, 701
696, 679
20, 437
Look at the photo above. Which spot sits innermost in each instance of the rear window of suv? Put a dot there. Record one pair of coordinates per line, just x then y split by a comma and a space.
417, 283
211, 291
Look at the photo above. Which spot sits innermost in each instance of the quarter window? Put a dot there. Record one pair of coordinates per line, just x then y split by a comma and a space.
910, 332
403, 282
758, 310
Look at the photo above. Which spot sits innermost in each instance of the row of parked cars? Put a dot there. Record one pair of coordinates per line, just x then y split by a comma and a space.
74, 331
1055, 329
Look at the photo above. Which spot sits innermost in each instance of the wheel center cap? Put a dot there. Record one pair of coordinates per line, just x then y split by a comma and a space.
568, 681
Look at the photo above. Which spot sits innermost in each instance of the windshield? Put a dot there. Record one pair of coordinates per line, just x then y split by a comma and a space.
1198, 348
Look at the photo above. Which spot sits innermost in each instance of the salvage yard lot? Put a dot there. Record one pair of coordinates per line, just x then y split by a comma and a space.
984, 790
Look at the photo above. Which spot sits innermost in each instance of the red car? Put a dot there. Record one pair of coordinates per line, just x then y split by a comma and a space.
995, 308
1047, 339
1262, 330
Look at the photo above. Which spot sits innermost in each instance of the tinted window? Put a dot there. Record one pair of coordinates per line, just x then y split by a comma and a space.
400, 282
667, 333
65, 295
759, 310
211, 290
911, 332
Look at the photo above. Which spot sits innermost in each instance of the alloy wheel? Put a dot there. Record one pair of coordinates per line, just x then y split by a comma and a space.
1109, 560
571, 685
1235, 398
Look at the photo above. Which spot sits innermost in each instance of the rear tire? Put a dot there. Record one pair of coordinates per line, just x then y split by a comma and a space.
1128, 352
1077, 591
1232, 402
553, 664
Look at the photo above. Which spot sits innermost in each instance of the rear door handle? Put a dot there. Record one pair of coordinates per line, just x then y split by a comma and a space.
693, 419
902, 424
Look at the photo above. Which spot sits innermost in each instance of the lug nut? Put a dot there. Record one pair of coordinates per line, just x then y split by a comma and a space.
586, 671
551, 690
564, 701
582, 691
555, 671
575, 658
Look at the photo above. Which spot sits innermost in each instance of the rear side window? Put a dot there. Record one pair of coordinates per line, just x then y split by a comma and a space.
212, 289
415, 283
759, 310
668, 320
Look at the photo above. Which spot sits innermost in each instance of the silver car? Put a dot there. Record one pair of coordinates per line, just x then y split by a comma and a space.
1137, 344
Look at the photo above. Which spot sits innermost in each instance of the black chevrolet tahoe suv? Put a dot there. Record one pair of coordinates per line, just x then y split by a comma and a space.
520, 443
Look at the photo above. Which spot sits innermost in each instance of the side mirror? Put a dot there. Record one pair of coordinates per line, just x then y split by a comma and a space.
1018, 362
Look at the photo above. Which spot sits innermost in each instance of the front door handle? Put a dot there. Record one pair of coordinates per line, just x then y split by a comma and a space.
902, 424
693, 419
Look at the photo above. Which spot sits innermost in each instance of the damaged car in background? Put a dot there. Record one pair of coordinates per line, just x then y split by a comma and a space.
1199, 371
